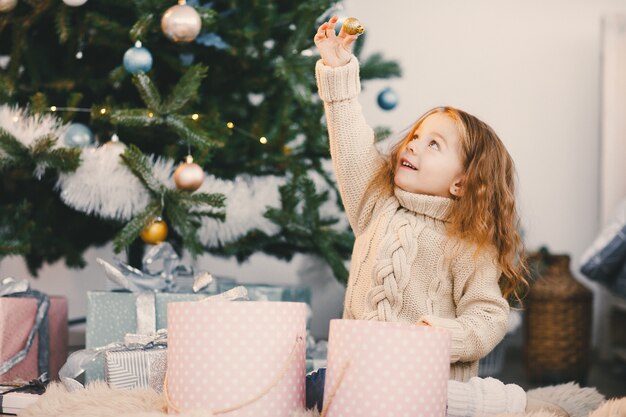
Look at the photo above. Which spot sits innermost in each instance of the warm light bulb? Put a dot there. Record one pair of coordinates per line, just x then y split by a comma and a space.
263, 140
150, 114
103, 110
189, 159
230, 125
195, 116
53, 108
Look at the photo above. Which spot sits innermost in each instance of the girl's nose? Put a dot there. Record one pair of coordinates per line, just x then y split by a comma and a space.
412, 146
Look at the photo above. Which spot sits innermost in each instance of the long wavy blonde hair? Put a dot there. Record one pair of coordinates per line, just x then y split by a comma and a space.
485, 214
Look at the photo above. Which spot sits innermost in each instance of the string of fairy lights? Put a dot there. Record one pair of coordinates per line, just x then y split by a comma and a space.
195, 117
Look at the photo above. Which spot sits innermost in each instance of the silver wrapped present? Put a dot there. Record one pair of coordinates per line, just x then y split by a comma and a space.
136, 368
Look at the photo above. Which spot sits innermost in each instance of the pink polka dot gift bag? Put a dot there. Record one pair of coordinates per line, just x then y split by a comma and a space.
386, 369
236, 358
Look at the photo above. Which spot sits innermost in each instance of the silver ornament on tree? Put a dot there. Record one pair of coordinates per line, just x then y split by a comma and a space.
74, 3
78, 136
188, 176
181, 23
137, 59
7, 5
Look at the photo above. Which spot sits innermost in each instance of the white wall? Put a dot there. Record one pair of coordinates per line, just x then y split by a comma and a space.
530, 69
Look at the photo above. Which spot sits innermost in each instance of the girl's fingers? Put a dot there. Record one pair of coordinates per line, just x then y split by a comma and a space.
348, 40
331, 24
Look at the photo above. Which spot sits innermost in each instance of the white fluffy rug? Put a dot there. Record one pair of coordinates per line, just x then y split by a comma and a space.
577, 401
99, 400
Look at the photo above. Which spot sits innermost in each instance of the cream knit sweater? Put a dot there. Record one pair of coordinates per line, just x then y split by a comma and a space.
404, 267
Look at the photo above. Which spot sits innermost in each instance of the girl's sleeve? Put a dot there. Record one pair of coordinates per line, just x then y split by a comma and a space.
484, 397
355, 158
482, 313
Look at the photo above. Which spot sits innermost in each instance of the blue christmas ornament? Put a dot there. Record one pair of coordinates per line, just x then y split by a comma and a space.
387, 99
137, 59
78, 136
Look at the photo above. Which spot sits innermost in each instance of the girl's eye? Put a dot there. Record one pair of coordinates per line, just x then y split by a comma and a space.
434, 145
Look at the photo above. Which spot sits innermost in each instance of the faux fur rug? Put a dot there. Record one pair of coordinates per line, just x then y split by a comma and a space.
577, 401
99, 400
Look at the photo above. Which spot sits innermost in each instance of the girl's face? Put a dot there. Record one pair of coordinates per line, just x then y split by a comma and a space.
431, 163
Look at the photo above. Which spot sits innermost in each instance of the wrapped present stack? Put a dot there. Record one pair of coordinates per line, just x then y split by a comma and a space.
139, 308
33, 332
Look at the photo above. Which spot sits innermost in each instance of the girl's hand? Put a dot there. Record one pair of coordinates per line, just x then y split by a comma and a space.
335, 50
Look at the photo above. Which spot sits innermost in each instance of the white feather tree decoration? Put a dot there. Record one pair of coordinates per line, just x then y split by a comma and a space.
247, 199
102, 185
26, 128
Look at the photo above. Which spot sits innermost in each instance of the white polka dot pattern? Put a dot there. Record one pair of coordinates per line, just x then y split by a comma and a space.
221, 354
393, 369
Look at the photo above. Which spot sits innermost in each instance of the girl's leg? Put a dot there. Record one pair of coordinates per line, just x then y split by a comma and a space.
315, 389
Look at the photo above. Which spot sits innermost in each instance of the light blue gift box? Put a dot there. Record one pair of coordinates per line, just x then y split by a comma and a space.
111, 315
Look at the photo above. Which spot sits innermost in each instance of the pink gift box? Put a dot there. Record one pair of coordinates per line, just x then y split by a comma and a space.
17, 316
236, 358
385, 369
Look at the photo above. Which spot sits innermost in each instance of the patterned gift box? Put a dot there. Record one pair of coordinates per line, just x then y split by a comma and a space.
112, 315
207, 343
17, 317
136, 368
410, 365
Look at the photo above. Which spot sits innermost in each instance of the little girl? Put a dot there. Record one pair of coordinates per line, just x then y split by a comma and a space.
435, 222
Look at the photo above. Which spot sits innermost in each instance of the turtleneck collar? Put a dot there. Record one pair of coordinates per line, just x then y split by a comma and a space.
436, 207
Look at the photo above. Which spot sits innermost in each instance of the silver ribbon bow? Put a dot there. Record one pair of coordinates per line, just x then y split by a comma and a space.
145, 341
162, 272
11, 285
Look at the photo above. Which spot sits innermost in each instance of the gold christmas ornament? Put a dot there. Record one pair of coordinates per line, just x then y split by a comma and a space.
154, 232
188, 176
181, 23
352, 26
7, 5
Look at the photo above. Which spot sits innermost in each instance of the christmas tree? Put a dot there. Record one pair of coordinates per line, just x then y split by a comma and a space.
103, 99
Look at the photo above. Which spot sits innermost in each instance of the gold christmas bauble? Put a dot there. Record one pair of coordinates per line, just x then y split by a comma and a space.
188, 176
352, 26
181, 23
7, 5
154, 232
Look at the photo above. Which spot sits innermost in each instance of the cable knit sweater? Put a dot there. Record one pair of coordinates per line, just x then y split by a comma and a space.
404, 267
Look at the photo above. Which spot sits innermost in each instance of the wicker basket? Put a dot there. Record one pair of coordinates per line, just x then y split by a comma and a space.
557, 325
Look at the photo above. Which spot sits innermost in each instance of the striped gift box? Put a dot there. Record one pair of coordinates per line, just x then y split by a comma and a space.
136, 368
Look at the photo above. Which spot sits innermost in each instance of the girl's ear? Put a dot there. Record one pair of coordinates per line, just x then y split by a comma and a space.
457, 188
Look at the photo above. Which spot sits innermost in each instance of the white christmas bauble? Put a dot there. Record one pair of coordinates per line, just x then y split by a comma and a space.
181, 23
74, 3
188, 176
7, 5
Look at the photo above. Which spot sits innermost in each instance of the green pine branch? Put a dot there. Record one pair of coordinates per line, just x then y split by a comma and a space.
148, 92
132, 229
183, 210
186, 89
139, 164
14, 153
142, 26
